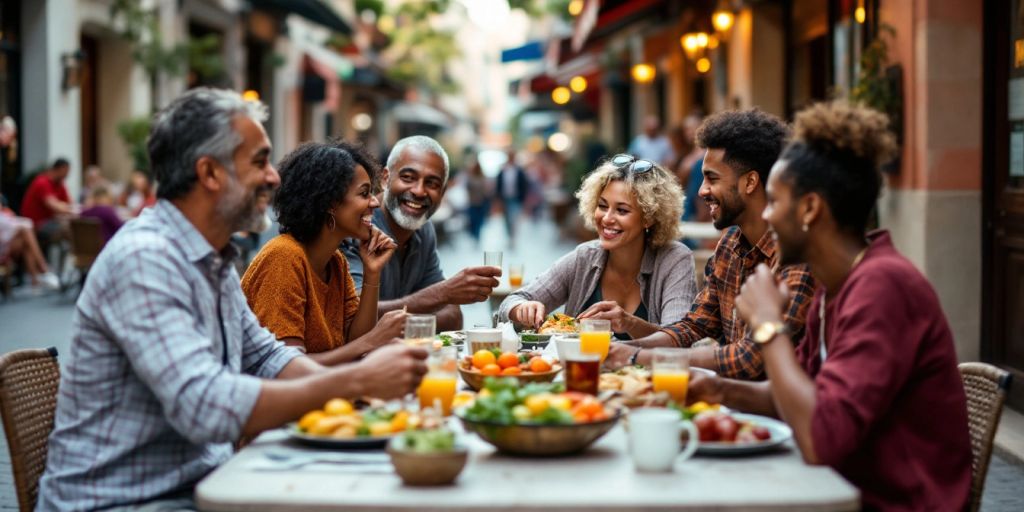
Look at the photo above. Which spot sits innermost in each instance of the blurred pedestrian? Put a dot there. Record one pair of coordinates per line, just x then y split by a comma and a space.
139, 194
48, 203
91, 178
18, 243
651, 144
479, 198
510, 191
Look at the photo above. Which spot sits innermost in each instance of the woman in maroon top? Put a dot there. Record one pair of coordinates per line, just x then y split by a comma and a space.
873, 389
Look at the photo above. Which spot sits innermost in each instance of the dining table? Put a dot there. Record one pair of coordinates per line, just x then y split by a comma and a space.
272, 474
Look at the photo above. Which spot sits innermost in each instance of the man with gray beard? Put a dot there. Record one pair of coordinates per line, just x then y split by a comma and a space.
417, 175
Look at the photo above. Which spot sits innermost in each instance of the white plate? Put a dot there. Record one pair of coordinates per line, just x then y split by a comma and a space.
780, 433
353, 443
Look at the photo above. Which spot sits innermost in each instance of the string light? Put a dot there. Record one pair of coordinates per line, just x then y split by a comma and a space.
578, 84
643, 73
561, 95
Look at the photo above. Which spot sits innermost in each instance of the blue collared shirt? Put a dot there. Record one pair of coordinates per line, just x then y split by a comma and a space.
164, 369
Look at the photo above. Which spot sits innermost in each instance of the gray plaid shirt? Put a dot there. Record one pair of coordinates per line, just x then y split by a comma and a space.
149, 403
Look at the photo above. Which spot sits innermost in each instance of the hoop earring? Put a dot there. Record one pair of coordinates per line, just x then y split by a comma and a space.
334, 223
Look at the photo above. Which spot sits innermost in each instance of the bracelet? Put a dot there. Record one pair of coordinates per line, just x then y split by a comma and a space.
632, 359
371, 285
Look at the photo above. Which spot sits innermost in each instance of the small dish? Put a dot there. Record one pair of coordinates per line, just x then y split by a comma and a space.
427, 469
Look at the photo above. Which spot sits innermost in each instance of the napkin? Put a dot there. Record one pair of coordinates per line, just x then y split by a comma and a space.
509, 338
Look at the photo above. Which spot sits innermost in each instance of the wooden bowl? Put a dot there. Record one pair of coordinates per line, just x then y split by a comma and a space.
475, 380
427, 469
541, 440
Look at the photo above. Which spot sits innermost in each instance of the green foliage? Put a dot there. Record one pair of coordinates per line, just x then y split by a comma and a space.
419, 52
377, 6
134, 133
874, 88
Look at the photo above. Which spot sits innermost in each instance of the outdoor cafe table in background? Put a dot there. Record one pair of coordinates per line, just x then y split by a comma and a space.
600, 478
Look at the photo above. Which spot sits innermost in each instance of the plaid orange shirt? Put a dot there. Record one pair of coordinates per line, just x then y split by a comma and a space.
713, 313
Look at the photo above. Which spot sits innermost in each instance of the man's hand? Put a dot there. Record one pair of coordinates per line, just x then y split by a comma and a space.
619, 355
762, 299
390, 326
471, 285
529, 313
609, 310
393, 371
703, 388
376, 251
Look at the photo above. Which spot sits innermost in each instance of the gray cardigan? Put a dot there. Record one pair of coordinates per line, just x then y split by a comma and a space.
667, 282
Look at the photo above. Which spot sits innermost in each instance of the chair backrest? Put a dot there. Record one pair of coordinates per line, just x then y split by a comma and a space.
986, 388
28, 400
86, 240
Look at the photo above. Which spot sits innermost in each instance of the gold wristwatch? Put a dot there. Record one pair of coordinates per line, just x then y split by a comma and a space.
767, 331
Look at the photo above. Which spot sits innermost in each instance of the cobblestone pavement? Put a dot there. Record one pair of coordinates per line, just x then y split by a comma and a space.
27, 321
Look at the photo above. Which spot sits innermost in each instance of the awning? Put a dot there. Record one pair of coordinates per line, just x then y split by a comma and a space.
313, 10
408, 112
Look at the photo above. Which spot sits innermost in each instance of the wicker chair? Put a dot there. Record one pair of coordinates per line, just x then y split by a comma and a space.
986, 388
28, 400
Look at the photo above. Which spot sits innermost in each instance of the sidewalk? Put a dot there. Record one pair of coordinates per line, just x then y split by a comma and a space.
39, 322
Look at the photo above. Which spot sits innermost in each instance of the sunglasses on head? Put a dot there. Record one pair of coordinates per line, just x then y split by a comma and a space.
635, 166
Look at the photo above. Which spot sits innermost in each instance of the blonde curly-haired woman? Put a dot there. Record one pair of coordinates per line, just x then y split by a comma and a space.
636, 273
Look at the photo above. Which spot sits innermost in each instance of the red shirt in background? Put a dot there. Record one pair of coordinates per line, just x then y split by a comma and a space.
891, 413
34, 206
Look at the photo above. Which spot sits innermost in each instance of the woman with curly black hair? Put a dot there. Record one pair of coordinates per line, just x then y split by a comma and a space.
299, 284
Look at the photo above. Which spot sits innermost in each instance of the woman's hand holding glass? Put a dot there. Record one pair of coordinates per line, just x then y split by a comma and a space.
612, 311
376, 251
388, 330
530, 313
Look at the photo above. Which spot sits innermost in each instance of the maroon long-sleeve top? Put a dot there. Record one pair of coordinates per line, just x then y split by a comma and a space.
891, 413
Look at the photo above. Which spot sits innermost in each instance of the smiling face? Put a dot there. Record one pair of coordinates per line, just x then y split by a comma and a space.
353, 216
781, 213
618, 218
253, 177
720, 190
415, 189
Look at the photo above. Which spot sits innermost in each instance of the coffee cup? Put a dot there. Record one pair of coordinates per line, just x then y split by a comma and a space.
655, 441
483, 339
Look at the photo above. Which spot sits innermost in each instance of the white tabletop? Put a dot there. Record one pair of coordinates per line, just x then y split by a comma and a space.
601, 478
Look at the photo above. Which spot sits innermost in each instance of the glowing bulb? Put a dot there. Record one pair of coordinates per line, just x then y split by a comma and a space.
712, 42
643, 73
703, 65
561, 95
362, 121
559, 142
860, 15
578, 84
702, 40
575, 7
722, 20
250, 95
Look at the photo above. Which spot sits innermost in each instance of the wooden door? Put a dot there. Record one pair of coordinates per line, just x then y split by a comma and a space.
1003, 331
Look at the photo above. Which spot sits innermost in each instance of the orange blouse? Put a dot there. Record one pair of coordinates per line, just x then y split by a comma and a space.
293, 302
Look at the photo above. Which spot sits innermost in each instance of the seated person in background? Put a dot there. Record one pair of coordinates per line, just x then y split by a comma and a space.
91, 178
18, 243
102, 210
299, 284
635, 274
417, 174
139, 193
48, 203
873, 389
740, 148
168, 366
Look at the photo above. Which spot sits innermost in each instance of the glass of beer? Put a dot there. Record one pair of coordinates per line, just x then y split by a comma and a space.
437, 389
671, 372
596, 337
582, 372
515, 275
420, 330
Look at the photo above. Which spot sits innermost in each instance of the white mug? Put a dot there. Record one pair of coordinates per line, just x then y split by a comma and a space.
566, 347
483, 339
654, 439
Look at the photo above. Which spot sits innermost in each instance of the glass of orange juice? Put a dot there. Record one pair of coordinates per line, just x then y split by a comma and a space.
671, 372
515, 275
596, 337
438, 386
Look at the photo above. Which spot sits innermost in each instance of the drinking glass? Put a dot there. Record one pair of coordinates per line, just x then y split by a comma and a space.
437, 389
420, 330
671, 372
596, 337
515, 275
582, 372
492, 258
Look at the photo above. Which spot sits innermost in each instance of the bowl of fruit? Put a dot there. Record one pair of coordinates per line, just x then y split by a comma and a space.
523, 366
536, 419
724, 432
427, 457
